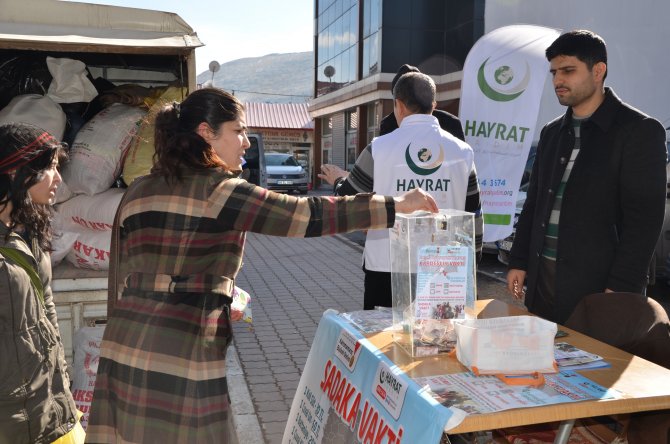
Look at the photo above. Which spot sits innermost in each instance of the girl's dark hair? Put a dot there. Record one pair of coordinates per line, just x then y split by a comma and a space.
14, 184
177, 143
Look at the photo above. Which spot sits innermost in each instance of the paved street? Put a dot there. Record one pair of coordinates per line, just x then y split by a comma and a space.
292, 282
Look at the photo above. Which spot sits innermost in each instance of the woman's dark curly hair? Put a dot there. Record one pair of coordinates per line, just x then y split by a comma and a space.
177, 143
14, 184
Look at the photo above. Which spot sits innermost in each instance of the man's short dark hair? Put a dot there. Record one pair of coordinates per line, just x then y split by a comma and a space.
404, 69
587, 46
417, 91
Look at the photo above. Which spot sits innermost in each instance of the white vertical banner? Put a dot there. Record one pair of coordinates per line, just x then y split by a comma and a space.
501, 90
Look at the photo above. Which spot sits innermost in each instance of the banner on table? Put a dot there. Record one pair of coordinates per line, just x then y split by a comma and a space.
503, 79
351, 392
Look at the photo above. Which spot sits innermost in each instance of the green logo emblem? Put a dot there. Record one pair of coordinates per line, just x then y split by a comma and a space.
503, 75
423, 155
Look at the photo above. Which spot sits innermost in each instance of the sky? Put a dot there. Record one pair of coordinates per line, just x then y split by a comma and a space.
234, 29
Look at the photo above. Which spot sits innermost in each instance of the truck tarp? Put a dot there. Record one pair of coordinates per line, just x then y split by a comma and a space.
89, 27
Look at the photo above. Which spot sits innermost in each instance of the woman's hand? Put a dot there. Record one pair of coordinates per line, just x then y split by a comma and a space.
415, 200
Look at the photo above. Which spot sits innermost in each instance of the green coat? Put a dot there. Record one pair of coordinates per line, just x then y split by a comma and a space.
36, 405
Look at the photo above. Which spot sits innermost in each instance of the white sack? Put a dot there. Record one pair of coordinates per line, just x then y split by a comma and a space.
37, 110
91, 249
86, 346
69, 84
61, 244
91, 212
63, 193
98, 149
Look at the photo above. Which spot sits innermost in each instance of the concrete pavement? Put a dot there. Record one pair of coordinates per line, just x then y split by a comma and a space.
292, 282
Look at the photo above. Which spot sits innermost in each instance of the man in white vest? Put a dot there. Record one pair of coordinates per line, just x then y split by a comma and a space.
419, 154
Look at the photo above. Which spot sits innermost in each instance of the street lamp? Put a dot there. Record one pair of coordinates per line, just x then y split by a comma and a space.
214, 66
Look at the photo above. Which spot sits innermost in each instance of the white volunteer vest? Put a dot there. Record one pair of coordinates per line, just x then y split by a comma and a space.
419, 154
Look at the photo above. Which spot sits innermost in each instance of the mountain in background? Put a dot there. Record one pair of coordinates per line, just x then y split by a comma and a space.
273, 78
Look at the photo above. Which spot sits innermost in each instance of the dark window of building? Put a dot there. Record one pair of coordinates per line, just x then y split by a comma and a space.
396, 13
327, 126
434, 35
430, 13
396, 50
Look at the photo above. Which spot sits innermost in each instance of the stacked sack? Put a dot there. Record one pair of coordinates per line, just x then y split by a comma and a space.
84, 222
110, 130
117, 143
139, 160
84, 227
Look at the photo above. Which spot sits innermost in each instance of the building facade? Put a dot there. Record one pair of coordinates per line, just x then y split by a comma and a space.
358, 47
285, 128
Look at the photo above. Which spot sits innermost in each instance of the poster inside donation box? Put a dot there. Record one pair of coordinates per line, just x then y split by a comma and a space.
442, 282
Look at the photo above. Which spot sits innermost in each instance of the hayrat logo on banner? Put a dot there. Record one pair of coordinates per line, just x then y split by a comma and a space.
503, 78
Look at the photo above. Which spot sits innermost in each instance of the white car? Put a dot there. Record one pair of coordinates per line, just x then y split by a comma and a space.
285, 173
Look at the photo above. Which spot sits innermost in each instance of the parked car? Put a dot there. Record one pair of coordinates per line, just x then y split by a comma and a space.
285, 173
254, 169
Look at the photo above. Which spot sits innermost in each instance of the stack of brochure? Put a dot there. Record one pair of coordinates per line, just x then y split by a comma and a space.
569, 357
370, 321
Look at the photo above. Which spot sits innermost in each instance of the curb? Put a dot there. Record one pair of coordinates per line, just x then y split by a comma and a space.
493, 276
245, 421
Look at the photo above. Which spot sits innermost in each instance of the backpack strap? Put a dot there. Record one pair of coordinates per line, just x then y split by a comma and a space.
19, 259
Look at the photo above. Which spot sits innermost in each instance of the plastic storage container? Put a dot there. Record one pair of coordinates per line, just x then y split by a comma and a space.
432, 278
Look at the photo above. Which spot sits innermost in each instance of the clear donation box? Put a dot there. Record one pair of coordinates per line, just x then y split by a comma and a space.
432, 278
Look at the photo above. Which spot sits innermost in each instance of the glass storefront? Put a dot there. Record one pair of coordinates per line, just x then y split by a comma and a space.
351, 138
434, 35
326, 140
336, 44
373, 119
371, 32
